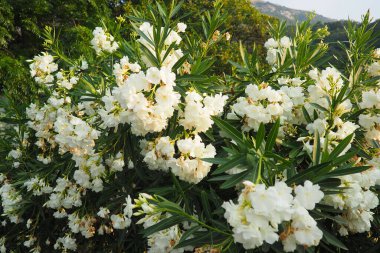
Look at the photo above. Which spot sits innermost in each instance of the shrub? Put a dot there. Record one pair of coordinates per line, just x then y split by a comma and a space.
140, 144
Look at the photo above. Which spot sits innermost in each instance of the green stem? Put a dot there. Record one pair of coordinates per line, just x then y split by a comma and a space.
259, 178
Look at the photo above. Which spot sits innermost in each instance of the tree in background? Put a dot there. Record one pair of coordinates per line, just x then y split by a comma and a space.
21, 23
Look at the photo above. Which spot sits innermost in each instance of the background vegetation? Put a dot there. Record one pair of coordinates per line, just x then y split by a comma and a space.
21, 23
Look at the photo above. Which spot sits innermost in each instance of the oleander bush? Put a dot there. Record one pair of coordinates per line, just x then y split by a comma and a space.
140, 144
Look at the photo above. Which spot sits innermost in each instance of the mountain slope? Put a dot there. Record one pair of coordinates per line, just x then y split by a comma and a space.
287, 14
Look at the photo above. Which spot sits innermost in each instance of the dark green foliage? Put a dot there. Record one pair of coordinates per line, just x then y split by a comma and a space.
21, 23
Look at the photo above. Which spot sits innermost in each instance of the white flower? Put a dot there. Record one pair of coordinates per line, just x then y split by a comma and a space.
356, 201
271, 43
167, 76
370, 99
103, 212
262, 105
103, 42
84, 65
374, 69
181, 27
66, 243
15, 154
285, 42
198, 111
189, 166
153, 75
42, 67
308, 195
119, 221
271, 56
228, 36
319, 125
256, 217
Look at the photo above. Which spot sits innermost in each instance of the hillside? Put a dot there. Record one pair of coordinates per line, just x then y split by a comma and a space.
287, 14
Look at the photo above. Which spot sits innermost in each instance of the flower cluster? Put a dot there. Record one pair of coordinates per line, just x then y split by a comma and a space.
356, 199
38, 186
73, 134
160, 155
128, 103
66, 243
374, 68
370, 120
165, 240
198, 111
329, 124
42, 119
10, 200
65, 195
277, 49
42, 68
262, 105
123, 69
260, 211
103, 41
66, 80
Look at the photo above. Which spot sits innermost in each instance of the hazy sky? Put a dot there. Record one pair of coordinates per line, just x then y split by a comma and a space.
338, 9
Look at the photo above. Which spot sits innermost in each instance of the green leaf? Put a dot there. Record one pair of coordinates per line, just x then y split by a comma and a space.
235, 179
176, 9
344, 158
332, 240
342, 93
319, 107
165, 223
317, 214
260, 136
219, 178
161, 9
252, 161
187, 233
347, 171
215, 160
13, 120
230, 131
271, 141
179, 63
199, 239
205, 204
306, 115
316, 149
234, 161
308, 174
341, 146
202, 66
168, 206
330, 182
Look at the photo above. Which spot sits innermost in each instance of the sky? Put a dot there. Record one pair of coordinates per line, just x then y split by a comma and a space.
337, 9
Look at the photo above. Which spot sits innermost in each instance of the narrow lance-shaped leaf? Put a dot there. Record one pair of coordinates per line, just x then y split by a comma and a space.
341, 147
165, 223
260, 136
316, 149
271, 141
230, 131
231, 163
331, 239
235, 179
